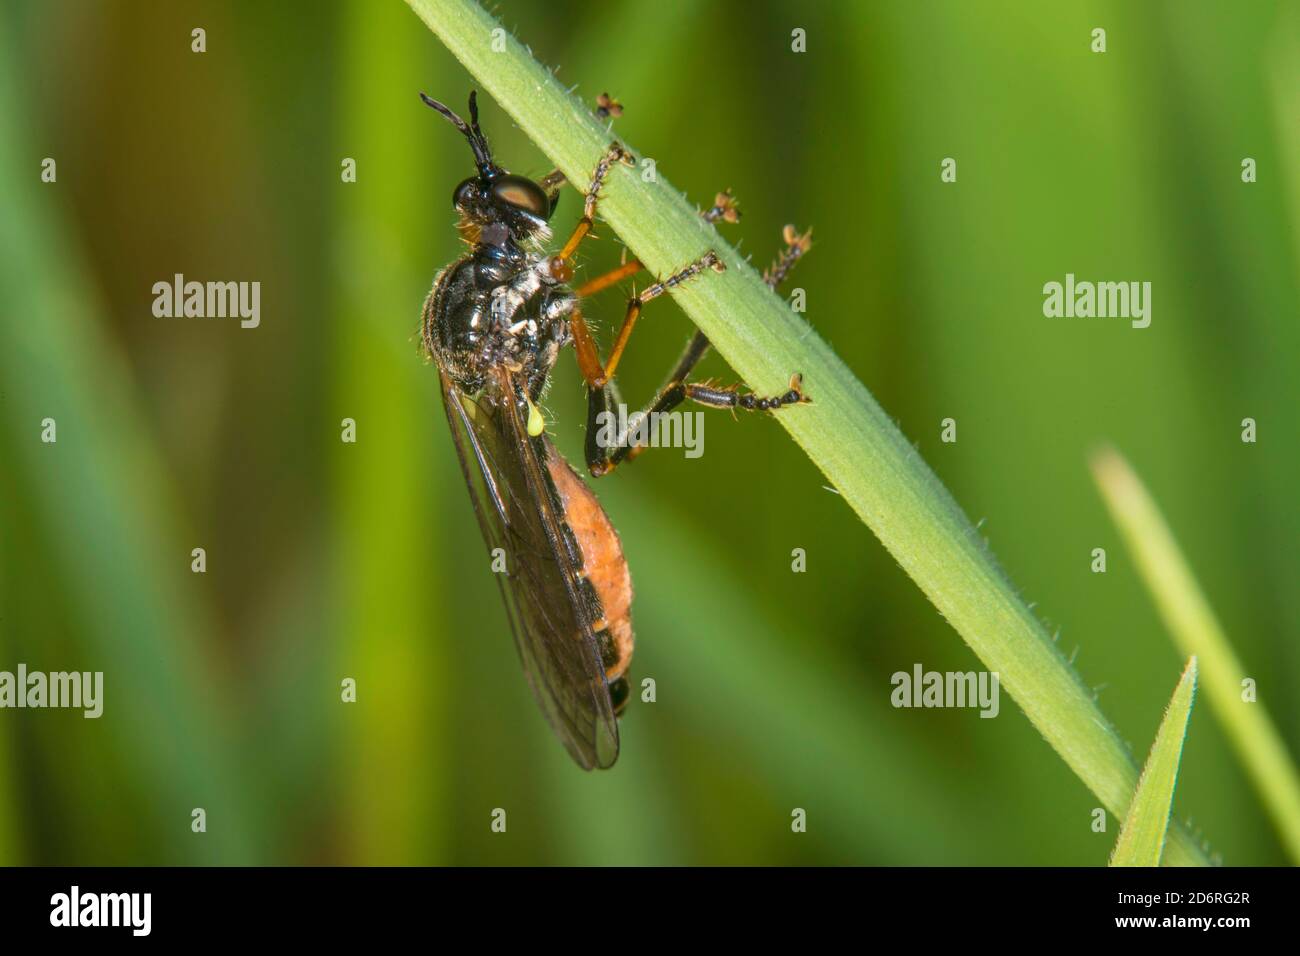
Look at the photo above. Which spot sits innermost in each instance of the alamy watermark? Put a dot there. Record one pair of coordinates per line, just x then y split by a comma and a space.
209, 300
129, 910
651, 430
922, 688
1085, 300
73, 689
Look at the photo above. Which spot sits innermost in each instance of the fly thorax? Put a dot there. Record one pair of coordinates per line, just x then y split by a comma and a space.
503, 305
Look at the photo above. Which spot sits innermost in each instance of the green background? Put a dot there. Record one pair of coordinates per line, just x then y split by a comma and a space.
328, 560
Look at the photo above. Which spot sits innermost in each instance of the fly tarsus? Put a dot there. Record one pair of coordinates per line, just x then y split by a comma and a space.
796, 246
602, 460
733, 396
725, 208
598, 374
608, 107
561, 265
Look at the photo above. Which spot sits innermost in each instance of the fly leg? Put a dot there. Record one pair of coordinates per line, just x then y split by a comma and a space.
553, 182
607, 107
612, 277
598, 374
606, 450
603, 456
796, 246
561, 265
724, 208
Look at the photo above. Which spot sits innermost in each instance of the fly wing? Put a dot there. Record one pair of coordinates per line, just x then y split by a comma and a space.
519, 512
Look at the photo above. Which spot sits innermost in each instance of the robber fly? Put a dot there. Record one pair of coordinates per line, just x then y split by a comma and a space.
494, 323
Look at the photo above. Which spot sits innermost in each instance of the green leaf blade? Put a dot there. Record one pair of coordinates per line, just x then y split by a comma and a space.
1196, 631
1142, 837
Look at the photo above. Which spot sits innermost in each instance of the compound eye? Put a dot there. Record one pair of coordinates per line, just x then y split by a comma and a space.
465, 193
522, 193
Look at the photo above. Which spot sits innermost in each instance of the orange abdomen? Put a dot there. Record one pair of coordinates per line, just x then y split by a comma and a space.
603, 564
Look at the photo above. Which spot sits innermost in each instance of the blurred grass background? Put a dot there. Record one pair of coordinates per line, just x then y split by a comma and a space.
328, 560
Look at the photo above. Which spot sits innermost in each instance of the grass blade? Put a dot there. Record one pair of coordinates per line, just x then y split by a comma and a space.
1197, 632
1142, 837
104, 497
846, 433
386, 528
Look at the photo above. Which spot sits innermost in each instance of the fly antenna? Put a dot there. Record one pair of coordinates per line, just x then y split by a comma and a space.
477, 141
473, 117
